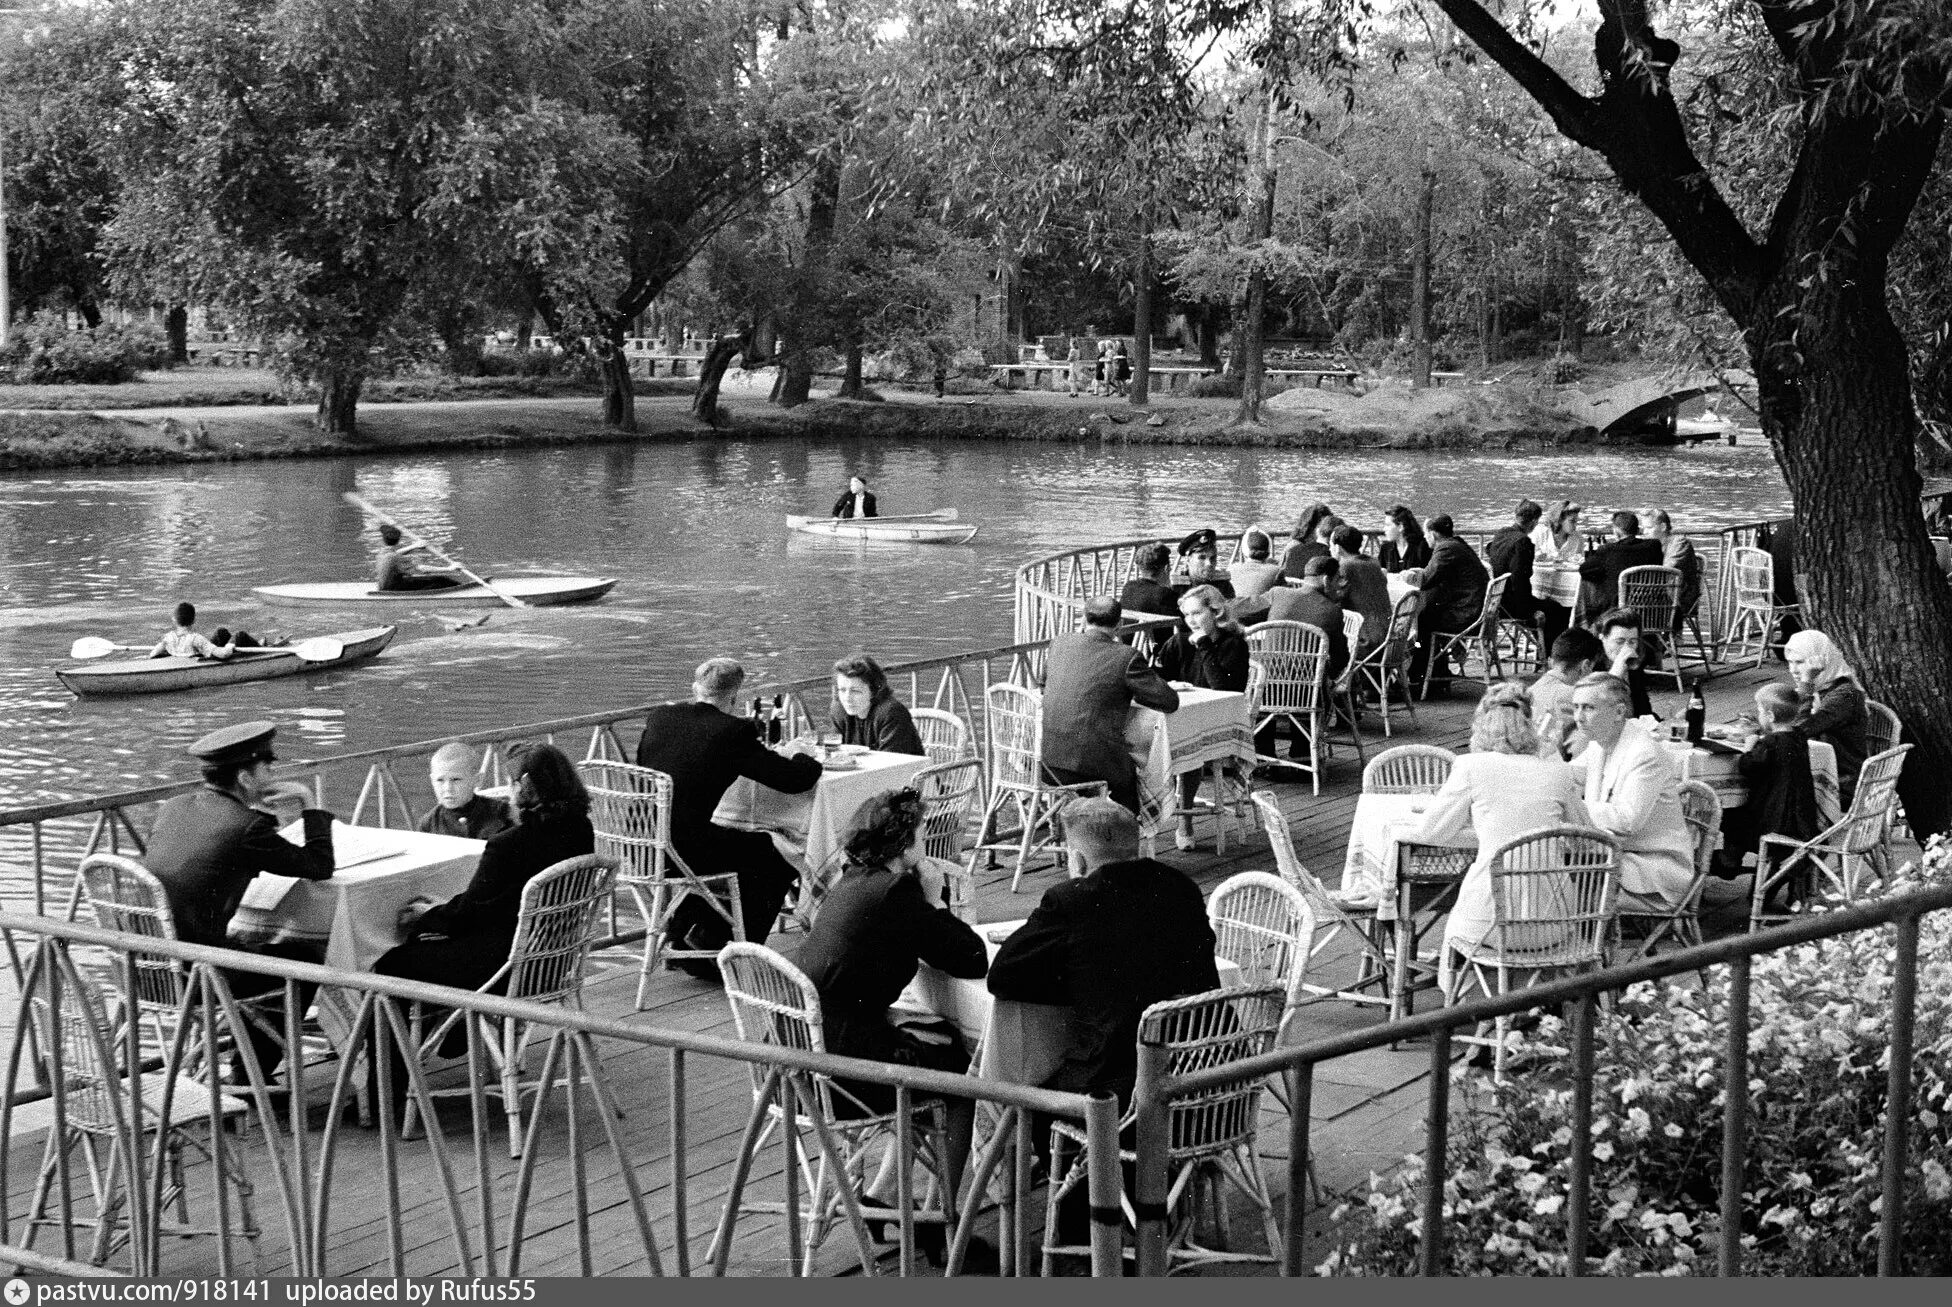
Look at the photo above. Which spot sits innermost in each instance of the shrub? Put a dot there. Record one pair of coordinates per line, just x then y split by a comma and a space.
524, 363
1818, 1039
1564, 369
45, 351
1215, 387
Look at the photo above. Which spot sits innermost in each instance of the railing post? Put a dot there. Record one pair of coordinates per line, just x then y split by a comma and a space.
1436, 1149
1301, 1093
1102, 1185
1735, 1114
1579, 1184
1152, 1131
1897, 1099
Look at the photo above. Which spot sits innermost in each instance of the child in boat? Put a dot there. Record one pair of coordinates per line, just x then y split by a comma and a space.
184, 642
459, 810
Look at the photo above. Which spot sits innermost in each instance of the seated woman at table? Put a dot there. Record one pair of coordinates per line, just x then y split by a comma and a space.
1500, 790
1557, 540
1404, 544
464, 941
883, 919
1834, 708
866, 711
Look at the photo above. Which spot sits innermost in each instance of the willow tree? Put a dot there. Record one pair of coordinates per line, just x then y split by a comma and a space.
1869, 83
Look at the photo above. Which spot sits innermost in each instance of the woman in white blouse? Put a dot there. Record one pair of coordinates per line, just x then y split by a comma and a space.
1557, 540
1501, 790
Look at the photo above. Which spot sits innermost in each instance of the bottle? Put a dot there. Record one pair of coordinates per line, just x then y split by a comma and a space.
758, 726
1697, 715
776, 720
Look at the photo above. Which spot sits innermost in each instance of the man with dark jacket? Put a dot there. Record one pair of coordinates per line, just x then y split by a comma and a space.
1126, 933
858, 501
1453, 592
1147, 591
1601, 570
703, 746
1089, 690
1310, 602
1511, 553
209, 844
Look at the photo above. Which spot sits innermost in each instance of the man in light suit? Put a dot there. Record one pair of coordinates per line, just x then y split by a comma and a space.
1633, 794
1090, 688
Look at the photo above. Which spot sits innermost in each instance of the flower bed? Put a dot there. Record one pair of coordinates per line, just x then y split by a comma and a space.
1820, 1032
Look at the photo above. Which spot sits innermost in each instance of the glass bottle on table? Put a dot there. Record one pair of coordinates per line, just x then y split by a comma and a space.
1697, 715
776, 720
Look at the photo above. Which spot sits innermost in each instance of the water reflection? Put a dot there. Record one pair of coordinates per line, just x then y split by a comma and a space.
695, 532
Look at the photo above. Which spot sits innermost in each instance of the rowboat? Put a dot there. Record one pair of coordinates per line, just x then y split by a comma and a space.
539, 591
160, 675
939, 527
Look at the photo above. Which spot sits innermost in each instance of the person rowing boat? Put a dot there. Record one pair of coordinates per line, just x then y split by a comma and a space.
857, 502
398, 569
183, 640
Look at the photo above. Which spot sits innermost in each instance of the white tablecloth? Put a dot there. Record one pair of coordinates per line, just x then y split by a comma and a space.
1398, 587
1559, 584
814, 824
1210, 726
1718, 771
1369, 867
356, 913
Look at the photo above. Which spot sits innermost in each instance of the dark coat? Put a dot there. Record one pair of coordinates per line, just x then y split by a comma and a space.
480, 818
486, 910
1108, 946
887, 727
844, 506
1454, 582
1316, 609
1602, 567
1782, 794
703, 751
208, 845
875, 926
1142, 594
1216, 664
1414, 553
1365, 591
1841, 720
1298, 554
1511, 552
1092, 683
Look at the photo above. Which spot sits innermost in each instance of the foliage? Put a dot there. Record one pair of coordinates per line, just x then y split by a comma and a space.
1818, 1042
45, 350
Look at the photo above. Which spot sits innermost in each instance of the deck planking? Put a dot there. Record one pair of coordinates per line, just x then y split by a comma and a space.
1366, 1110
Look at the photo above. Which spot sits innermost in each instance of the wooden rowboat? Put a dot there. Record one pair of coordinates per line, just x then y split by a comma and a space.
538, 591
161, 675
939, 527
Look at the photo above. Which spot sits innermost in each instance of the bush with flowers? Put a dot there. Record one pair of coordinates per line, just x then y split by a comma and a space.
1819, 1038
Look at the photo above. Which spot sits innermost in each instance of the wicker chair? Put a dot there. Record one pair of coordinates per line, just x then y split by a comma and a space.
1264, 926
1552, 894
554, 929
1828, 866
1387, 666
775, 1005
1288, 681
1480, 637
952, 793
174, 1113
1408, 769
1883, 731
1654, 595
630, 809
1758, 617
1211, 1134
1018, 782
945, 736
1331, 919
1702, 810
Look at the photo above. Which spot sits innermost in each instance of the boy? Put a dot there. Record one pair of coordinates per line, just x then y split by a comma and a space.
1782, 801
460, 811
184, 642
1574, 653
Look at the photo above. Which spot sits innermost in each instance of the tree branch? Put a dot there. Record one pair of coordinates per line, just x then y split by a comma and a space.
1573, 113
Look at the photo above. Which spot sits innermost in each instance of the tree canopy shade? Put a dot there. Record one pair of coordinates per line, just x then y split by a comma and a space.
1806, 287
315, 167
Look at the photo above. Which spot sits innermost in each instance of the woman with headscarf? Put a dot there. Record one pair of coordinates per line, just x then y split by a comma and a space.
1834, 708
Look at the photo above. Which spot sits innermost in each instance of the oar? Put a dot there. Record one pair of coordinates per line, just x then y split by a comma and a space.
935, 515
321, 650
481, 581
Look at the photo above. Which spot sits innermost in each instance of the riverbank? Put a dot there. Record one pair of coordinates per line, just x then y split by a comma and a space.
1390, 417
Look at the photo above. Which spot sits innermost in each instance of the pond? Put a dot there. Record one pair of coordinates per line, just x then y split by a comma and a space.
694, 531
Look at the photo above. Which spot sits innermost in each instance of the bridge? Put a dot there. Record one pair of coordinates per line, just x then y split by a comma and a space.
1621, 409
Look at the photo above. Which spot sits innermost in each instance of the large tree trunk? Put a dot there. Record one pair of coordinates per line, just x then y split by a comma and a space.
850, 378
704, 405
339, 404
1142, 325
1260, 226
796, 362
1420, 281
1207, 328
794, 386
619, 392
176, 329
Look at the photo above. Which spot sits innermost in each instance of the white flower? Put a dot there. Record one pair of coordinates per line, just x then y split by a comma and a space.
1938, 1184
1672, 1131
1549, 1204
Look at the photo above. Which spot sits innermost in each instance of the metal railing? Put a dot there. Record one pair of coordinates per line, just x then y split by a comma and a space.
580, 1170
1156, 1089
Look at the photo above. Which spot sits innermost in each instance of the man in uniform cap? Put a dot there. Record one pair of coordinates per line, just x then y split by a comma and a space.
210, 843
1199, 559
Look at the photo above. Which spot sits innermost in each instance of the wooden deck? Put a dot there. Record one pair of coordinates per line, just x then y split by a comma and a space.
1367, 1109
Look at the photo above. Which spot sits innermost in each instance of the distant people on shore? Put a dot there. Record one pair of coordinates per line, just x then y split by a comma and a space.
856, 501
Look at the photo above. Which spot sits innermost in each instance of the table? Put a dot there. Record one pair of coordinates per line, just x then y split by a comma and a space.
1718, 771
355, 915
1398, 587
1211, 726
812, 826
1381, 862
1559, 584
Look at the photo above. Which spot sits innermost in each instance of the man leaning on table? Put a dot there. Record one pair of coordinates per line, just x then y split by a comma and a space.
1090, 688
209, 844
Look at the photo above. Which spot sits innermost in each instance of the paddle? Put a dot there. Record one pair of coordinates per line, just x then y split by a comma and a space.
936, 515
320, 650
481, 581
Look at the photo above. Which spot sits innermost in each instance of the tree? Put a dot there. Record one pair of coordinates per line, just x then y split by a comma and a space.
1807, 286
318, 167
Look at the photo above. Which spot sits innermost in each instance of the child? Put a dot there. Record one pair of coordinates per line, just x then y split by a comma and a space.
1782, 801
1574, 653
184, 642
461, 811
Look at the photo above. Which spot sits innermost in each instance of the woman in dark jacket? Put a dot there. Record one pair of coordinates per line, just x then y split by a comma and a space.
875, 927
1404, 545
465, 941
866, 711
